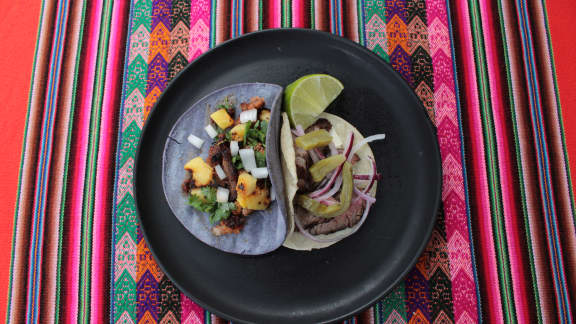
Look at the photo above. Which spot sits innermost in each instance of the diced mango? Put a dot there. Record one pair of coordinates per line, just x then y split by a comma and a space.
202, 173
198, 193
222, 118
258, 200
238, 131
265, 114
246, 184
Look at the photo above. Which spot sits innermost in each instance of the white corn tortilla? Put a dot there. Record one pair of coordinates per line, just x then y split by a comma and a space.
296, 240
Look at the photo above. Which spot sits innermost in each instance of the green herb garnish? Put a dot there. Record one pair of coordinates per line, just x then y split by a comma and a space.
208, 204
222, 212
260, 159
257, 134
237, 161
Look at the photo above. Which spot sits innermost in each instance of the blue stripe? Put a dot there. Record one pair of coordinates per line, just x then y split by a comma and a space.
536, 112
35, 261
332, 26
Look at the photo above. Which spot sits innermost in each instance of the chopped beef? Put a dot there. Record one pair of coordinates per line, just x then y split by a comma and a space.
231, 110
235, 221
229, 169
188, 183
316, 225
214, 155
321, 123
222, 229
303, 162
306, 218
260, 148
255, 103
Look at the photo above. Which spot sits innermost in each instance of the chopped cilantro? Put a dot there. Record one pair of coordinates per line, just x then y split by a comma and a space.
237, 161
208, 204
222, 211
260, 159
257, 134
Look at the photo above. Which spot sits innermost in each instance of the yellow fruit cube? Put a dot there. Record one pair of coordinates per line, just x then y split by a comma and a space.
198, 193
265, 115
258, 200
222, 118
246, 184
201, 172
238, 131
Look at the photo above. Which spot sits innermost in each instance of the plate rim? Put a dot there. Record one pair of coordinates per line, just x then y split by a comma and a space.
332, 38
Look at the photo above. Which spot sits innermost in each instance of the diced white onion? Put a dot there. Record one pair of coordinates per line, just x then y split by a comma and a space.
248, 115
336, 139
234, 148
260, 173
211, 131
220, 172
196, 141
248, 158
222, 195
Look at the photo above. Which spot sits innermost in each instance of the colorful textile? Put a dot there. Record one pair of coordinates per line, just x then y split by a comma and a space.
504, 246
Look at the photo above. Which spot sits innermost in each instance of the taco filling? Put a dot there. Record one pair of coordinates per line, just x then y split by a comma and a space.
233, 180
333, 176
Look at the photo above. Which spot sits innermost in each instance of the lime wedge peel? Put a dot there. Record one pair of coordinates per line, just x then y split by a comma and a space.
309, 96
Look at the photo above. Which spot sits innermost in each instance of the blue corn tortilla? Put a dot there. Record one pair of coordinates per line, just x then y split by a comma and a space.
265, 230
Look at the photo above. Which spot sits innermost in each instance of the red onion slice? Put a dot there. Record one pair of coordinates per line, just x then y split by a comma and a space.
333, 150
335, 175
332, 191
367, 140
364, 196
367, 176
313, 156
319, 153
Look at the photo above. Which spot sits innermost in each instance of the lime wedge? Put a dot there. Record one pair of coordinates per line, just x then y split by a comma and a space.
308, 97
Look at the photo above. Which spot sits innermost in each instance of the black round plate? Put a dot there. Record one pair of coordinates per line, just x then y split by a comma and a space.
285, 285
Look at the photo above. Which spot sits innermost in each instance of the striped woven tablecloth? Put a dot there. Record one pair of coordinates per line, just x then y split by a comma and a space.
504, 246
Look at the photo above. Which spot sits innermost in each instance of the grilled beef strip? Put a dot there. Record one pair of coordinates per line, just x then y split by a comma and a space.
320, 123
316, 225
229, 169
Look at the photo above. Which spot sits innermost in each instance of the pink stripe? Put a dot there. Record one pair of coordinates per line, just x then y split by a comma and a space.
297, 18
519, 277
199, 30
77, 187
464, 293
276, 13
191, 312
477, 148
100, 236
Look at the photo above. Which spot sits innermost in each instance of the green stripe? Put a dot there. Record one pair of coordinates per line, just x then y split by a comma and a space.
519, 164
286, 13
214, 4
312, 14
22, 157
491, 156
370, 9
260, 27
89, 185
361, 22
135, 80
393, 302
66, 162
